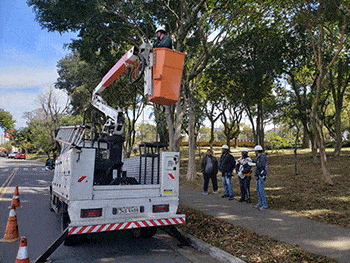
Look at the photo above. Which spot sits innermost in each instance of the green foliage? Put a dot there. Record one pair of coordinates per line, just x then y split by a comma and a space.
204, 134
78, 79
160, 118
39, 135
146, 133
277, 142
246, 133
6, 145
6, 120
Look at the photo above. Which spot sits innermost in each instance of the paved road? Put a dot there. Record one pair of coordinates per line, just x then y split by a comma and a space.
42, 227
316, 237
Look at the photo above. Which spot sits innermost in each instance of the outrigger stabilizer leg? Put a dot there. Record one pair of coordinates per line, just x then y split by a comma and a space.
171, 230
53, 247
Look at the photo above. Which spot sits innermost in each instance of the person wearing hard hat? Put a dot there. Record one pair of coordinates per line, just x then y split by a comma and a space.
260, 175
227, 164
244, 170
163, 40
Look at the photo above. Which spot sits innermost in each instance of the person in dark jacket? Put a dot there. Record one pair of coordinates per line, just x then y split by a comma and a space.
163, 39
260, 176
209, 165
227, 164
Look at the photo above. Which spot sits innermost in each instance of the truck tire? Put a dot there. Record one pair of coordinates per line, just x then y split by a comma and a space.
145, 232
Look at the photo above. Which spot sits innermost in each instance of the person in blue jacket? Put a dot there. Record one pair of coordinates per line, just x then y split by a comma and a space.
227, 164
163, 39
260, 176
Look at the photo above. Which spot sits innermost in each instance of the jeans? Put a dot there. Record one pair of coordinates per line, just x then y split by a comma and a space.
260, 190
207, 177
226, 180
245, 188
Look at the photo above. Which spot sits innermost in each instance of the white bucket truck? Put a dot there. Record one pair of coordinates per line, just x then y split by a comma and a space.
96, 190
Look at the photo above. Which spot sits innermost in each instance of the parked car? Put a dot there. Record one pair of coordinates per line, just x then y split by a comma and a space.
20, 156
3, 154
12, 154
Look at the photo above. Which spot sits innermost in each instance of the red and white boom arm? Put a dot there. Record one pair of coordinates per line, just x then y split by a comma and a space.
115, 122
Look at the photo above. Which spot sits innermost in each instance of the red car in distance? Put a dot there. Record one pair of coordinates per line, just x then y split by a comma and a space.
20, 156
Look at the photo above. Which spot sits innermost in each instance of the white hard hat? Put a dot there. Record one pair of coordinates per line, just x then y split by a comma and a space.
244, 150
225, 147
258, 148
160, 28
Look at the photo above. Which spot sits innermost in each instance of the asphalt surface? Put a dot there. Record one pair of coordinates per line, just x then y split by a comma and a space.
315, 237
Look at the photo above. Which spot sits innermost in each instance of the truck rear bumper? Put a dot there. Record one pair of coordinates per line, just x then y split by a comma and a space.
83, 228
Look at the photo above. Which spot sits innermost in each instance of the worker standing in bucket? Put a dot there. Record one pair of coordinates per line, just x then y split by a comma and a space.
163, 39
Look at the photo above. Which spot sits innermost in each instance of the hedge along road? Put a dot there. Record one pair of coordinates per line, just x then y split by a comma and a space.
41, 227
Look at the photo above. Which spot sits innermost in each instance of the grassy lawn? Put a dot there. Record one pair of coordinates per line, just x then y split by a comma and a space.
303, 194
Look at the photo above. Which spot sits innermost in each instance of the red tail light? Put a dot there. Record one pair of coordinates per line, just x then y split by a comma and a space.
96, 212
160, 208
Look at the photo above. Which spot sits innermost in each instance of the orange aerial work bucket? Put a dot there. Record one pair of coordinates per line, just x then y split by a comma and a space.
167, 74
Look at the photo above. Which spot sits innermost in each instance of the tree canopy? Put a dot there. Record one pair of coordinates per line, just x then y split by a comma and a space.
238, 54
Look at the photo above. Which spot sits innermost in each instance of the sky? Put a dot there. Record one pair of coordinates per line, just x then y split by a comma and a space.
28, 59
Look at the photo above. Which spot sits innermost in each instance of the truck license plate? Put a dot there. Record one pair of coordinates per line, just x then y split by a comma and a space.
127, 210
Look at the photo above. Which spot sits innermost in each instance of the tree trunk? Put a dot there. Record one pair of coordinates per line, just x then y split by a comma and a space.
260, 124
191, 168
171, 126
250, 116
296, 151
174, 116
306, 138
338, 135
314, 150
338, 91
317, 129
212, 125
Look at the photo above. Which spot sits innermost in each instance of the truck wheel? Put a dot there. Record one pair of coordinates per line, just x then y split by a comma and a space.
145, 232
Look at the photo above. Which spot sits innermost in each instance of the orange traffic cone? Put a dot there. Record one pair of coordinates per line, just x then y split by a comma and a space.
11, 232
22, 255
15, 199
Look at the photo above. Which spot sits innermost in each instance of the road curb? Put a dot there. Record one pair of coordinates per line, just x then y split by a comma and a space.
215, 252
